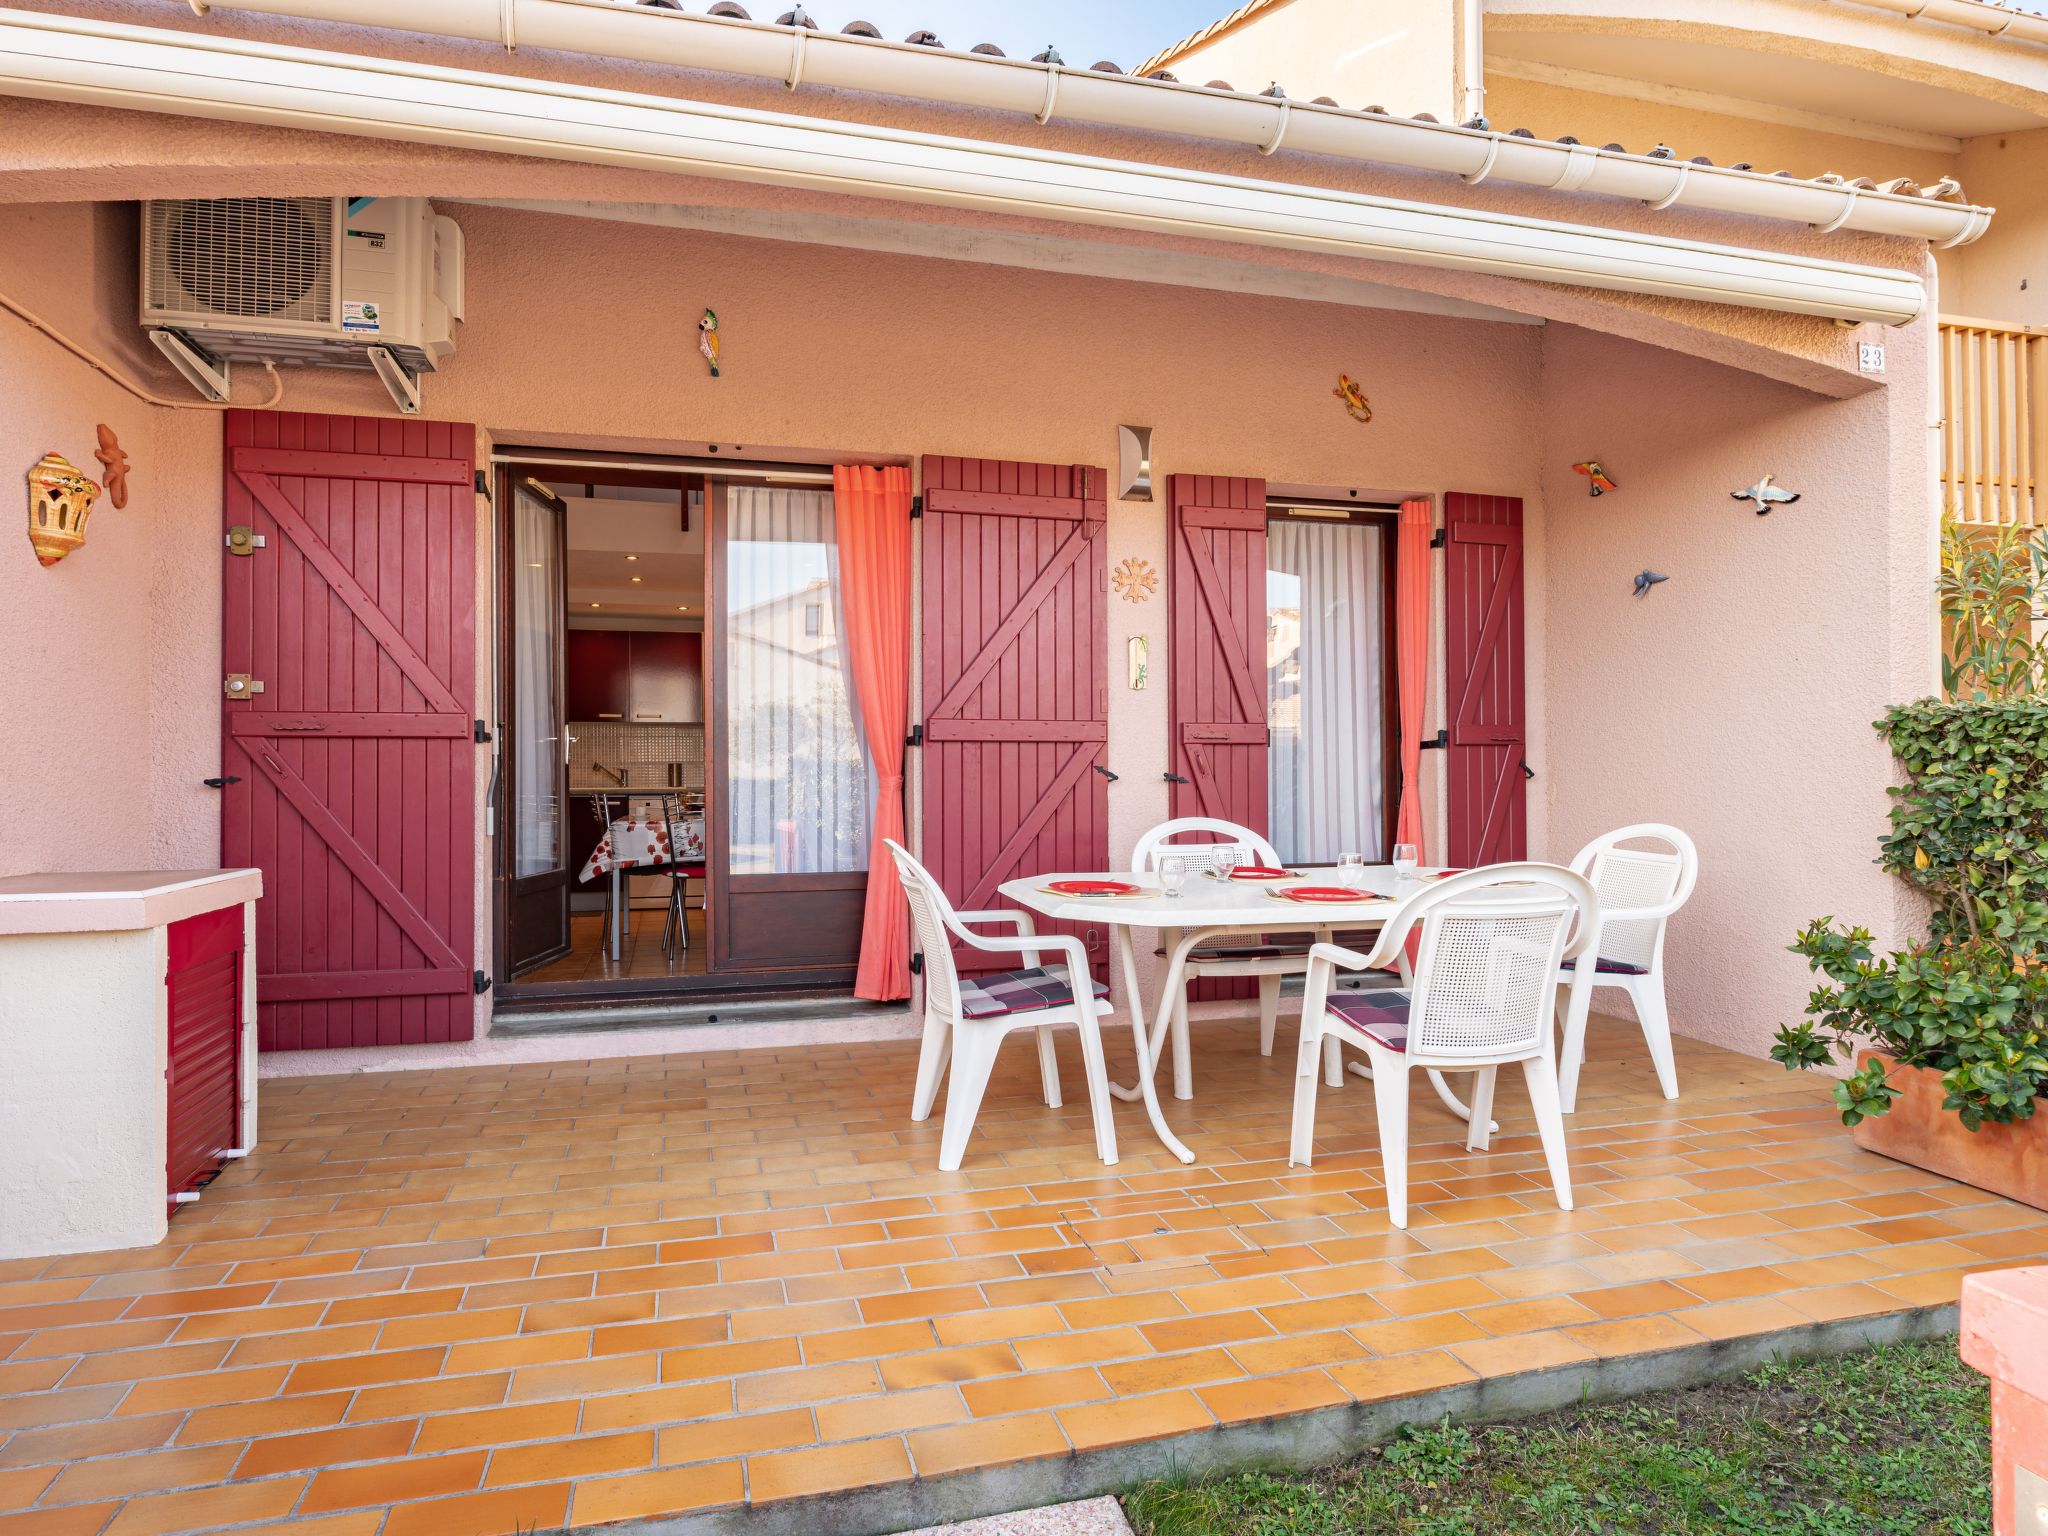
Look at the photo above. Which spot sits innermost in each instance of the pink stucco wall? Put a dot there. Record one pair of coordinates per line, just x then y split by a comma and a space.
1734, 700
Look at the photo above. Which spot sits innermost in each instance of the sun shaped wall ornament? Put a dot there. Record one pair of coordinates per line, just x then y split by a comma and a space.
1135, 580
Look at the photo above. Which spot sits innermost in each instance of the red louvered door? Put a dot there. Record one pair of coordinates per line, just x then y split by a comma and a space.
1216, 592
357, 616
202, 1075
1015, 693
1486, 661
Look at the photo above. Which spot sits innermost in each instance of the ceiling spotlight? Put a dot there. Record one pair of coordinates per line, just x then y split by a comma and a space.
632, 557
636, 581
597, 605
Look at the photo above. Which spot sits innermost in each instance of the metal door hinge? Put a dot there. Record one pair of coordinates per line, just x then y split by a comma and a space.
917, 506
915, 738
1176, 778
479, 983
1440, 538
243, 540
1441, 742
223, 782
1527, 771
481, 734
1104, 772
483, 484
917, 963
240, 685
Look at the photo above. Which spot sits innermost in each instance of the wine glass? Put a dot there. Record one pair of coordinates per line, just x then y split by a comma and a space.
1351, 870
1173, 874
1404, 861
1226, 858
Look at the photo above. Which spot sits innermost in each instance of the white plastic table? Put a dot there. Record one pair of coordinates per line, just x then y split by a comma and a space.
1205, 909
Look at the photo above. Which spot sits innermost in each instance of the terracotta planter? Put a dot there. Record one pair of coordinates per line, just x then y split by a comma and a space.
2009, 1160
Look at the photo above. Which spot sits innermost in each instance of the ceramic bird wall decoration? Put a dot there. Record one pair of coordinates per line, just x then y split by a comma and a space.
707, 339
1646, 579
1601, 481
1353, 397
1766, 495
114, 461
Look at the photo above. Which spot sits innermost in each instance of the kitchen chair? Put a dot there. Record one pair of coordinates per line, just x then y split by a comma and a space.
601, 808
676, 923
1639, 890
1223, 958
966, 1019
1486, 974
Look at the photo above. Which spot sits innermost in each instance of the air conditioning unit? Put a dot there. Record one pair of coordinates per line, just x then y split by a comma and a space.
315, 282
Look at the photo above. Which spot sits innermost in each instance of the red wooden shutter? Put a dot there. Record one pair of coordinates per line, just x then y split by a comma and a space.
358, 617
1015, 694
1216, 596
1489, 821
203, 1077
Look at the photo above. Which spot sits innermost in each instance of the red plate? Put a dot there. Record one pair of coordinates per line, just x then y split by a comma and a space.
1330, 893
1092, 888
1446, 874
1260, 872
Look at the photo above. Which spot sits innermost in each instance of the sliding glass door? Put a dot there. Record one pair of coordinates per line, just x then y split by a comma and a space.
534, 896
1328, 643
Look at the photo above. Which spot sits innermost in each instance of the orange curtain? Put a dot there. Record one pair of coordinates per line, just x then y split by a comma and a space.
1411, 661
871, 511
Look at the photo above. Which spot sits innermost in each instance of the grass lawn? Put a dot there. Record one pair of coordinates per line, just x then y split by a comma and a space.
1894, 1441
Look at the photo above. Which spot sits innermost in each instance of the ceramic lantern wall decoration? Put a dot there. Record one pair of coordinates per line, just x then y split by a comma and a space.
60, 499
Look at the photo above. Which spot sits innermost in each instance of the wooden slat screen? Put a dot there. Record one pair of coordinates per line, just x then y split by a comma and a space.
1994, 439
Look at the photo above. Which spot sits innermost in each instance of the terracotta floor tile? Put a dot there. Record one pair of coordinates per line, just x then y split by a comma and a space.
1038, 1389
1400, 1336
908, 1305
567, 1460
584, 1378
327, 1447
826, 1469
728, 1359
891, 1413
425, 1477
72, 1520
22, 1487
1268, 1397
1521, 1352
1737, 1319
365, 1370
489, 1427
973, 1363
442, 1396
1837, 1301
502, 1512
1634, 1300
1091, 1426
1371, 1381
1212, 1328
1510, 1317
1059, 1350
675, 1491
743, 1435
1633, 1335
1930, 1288
807, 1384
991, 1442
661, 1405
206, 1508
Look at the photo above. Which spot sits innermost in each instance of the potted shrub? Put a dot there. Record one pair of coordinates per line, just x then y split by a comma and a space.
1949, 1037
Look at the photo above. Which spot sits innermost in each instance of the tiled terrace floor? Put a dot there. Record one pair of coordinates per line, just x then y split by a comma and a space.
475, 1301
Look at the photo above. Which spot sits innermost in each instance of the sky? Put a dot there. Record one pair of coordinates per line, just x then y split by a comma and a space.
1122, 31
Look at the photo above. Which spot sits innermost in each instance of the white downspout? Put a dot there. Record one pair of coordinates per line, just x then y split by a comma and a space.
1471, 60
622, 30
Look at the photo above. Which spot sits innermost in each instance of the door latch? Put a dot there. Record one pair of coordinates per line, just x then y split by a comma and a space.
223, 782
240, 685
244, 540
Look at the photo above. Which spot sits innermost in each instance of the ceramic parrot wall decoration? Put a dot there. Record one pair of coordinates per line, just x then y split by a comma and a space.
1602, 482
707, 339
1353, 398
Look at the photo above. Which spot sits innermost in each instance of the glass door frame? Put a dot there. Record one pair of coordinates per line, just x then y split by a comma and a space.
1298, 509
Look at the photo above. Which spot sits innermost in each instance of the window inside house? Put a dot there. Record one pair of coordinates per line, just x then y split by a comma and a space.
801, 782
1327, 659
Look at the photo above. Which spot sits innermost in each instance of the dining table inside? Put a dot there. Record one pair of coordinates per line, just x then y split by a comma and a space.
1211, 906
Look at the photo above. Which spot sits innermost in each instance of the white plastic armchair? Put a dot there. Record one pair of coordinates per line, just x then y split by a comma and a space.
1486, 971
1639, 890
965, 1022
1248, 957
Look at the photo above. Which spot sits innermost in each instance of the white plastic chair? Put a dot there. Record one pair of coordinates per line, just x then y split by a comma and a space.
1226, 957
1485, 976
967, 1020
1639, 890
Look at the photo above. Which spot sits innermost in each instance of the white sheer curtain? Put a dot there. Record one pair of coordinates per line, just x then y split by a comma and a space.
798, 770
537, 623
1325, 655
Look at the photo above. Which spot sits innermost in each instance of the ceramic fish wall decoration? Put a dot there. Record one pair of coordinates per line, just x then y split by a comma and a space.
1602, 482
707, 339
1646, 579
60, 499
114, 463
1766, 496
1353, 398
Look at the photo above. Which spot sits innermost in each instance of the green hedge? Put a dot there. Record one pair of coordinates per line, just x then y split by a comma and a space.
1970, 828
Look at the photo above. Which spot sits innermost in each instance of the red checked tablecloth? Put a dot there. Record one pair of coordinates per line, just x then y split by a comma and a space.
637, 844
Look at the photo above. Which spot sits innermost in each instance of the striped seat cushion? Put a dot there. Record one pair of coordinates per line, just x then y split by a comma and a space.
1612, 967
989, 997
1382, 1015
1225, 949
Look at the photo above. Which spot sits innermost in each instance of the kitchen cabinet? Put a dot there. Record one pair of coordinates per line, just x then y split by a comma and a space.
667, 677
597, 664
649, 675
